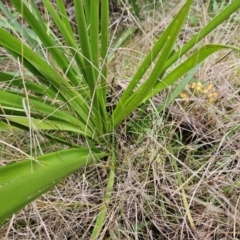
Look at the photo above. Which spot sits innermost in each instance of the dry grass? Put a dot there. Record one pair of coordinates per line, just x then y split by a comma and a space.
161, 162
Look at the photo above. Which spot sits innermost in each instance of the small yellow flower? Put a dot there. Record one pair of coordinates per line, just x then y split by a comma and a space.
210, 87
210, 100
213, 94
199, 87
199, 84
212, 97
184, 96
193, 85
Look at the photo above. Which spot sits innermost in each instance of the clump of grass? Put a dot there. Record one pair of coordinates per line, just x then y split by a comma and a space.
152, 172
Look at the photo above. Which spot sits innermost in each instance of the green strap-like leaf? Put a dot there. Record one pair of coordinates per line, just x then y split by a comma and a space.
22, 182
37, 108
64, 16
90, 58
184, 68
104, 51
71, 96
85, 44
16, 82
40, 124
126, 106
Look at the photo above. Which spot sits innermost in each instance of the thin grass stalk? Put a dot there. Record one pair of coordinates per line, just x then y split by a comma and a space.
184, 198
35, 72
103, 209
34, 87
120, 41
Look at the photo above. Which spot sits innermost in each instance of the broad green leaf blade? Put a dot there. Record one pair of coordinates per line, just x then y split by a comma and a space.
143, 68
64, 16
233, 7
124, 108
22, 182
15, 102
34, 9
75, 100
104, 40
100, 86
158, 46
41, 124
94, 36
172, 95
16, 83
85, 44
104, 60
86, 4
52, 138
33, 71
4, 126
10, 42
4, 77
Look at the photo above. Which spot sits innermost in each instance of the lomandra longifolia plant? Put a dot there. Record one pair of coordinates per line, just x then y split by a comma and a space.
61, 86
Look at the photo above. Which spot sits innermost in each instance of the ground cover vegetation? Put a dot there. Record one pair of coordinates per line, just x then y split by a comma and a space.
146, 130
